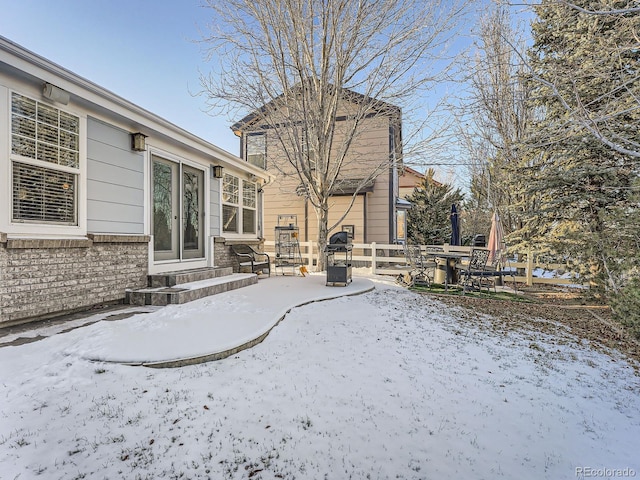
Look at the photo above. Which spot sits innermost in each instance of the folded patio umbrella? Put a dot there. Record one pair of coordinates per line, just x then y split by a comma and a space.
496, 243
455, 226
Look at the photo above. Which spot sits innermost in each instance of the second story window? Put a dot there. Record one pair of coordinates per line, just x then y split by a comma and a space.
257, 149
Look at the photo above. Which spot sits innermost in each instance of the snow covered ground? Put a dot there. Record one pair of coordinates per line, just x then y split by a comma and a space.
387, 384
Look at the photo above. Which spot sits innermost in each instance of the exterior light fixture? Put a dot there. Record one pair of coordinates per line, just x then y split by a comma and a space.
216, 170
137, 142
56, 94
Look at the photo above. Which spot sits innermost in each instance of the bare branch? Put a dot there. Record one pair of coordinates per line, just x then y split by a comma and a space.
292, 68
580, 115
611, 11
604, 11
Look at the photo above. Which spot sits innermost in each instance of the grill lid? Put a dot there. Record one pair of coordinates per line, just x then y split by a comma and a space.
340, 238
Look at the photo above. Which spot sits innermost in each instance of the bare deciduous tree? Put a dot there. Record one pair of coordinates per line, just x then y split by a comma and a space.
297, 64
496, 124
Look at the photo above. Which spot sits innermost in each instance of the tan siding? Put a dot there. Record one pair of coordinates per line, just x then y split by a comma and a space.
337, 208
369, 150
276, 204
406, 192
378, 211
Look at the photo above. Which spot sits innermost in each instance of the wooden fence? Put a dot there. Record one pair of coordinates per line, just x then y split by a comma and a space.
387, 259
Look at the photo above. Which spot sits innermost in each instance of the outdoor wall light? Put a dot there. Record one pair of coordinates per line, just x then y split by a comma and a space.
217, 171
138, 142
56, 94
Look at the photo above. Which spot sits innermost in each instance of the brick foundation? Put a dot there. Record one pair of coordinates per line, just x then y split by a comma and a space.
40, 278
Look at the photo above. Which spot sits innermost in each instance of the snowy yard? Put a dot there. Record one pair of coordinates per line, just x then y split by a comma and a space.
387, 384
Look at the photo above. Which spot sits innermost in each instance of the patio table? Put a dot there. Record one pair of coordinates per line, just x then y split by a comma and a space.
449, 261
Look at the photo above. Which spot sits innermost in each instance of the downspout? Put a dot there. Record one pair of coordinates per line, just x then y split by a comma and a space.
391, 196
306, 219
365, 232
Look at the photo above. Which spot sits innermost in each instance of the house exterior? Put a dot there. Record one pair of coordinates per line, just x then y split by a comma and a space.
97, 193
377, 214
409, 180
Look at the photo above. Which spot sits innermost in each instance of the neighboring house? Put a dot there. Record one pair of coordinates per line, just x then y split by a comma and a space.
374, 216
409, 180
97, 193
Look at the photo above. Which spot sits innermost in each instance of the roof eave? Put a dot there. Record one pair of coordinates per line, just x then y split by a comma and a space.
89, 91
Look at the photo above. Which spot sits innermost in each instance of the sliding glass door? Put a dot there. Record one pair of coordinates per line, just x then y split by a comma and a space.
178, 210
192, 212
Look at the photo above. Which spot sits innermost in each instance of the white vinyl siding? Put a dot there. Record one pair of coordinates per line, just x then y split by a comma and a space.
214, 208
45, 152
115, 181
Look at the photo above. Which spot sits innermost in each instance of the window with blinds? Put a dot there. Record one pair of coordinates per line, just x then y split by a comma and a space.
42, 194
45, 162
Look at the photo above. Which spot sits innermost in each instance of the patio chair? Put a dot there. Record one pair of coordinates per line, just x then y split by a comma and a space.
473, 275
421, 268
496, 272
478, 273
252, 260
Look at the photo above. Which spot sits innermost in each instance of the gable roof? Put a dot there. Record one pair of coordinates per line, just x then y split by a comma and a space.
378, 106
410, 178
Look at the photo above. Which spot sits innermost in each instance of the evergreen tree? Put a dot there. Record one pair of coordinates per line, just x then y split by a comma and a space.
428, 221
581, 63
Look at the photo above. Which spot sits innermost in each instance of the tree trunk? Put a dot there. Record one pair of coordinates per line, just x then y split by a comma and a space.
323, 222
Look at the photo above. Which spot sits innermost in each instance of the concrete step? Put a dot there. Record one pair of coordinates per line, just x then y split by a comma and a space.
171, 279
189, 291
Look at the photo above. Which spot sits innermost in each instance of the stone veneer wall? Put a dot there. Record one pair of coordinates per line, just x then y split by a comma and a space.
40, 278
223, 256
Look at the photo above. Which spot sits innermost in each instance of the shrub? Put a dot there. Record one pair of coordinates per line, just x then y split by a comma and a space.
626, 307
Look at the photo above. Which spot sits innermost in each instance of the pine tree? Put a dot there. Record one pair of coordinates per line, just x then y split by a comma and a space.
428, 221
581, 66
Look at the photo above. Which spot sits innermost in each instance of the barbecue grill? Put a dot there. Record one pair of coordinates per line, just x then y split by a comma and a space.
338, 254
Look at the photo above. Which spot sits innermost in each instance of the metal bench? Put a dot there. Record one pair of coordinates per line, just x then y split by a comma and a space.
247, 257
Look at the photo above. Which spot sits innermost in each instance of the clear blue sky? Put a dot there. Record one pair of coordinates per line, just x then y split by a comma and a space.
142, 50
145, 51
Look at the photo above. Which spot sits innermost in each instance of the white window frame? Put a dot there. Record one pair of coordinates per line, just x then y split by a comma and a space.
240, 206
7, 160
157, 266
263, 153
250, 187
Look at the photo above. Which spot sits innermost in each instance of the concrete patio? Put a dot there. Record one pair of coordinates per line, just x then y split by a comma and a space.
208, 329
